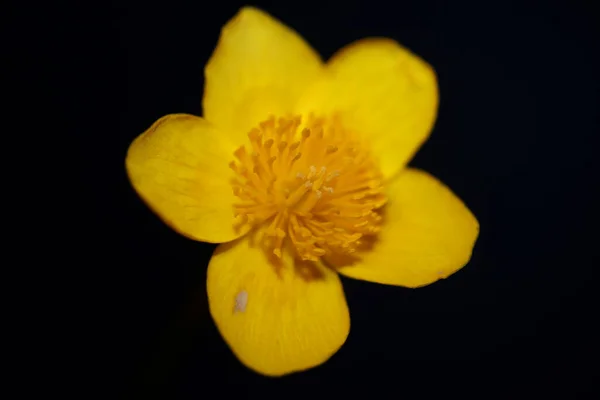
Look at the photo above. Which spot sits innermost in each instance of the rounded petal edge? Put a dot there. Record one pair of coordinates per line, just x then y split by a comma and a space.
382, 91
259, 67
277, 318
179, 167
428, 234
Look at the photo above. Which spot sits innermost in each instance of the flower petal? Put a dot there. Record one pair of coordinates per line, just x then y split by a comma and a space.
382, 91
277, 319
259, 67
179, 166
428, 234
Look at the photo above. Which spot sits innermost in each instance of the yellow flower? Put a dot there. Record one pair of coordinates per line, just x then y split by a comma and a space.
299, 168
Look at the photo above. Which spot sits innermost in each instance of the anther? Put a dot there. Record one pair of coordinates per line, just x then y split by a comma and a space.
303, 202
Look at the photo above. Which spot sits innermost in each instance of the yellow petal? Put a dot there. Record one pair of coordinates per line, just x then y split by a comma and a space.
179, 166
427, 234
276, 319
382, 91
259, 67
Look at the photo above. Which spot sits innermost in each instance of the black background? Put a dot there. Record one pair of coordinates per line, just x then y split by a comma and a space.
515, 139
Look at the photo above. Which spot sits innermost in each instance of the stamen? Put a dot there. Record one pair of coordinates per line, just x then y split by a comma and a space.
311, 185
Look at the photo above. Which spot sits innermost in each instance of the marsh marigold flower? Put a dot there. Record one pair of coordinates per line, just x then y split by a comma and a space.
299, 168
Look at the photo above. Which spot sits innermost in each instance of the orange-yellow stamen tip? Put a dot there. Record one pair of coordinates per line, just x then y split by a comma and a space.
316, 188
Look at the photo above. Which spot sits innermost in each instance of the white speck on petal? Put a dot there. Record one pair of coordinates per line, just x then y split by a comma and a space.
241, 300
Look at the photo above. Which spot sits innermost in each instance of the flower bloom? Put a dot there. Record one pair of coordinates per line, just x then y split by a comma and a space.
299, 168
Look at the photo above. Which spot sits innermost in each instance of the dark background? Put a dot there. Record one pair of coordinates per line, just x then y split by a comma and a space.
515, 139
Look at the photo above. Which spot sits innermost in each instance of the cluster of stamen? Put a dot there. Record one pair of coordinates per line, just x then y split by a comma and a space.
312, 187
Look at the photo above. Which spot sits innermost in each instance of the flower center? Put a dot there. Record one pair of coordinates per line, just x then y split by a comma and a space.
316, 188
